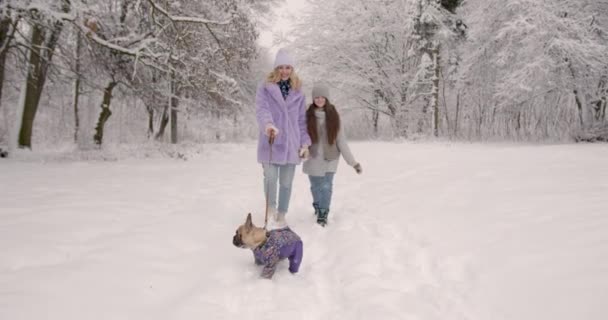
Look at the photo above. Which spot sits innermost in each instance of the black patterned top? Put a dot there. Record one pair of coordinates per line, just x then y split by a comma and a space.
285, 86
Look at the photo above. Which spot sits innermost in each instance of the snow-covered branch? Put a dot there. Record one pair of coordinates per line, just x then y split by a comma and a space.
186, 19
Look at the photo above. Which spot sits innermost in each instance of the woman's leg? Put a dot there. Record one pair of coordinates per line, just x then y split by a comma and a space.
271, 174
286, 173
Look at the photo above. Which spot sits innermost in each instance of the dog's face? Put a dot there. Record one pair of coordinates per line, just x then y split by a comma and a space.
248, 235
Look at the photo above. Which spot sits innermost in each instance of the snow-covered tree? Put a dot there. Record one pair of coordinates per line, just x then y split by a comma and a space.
384, 54
175, 56
519, 69
534, 69
46, 24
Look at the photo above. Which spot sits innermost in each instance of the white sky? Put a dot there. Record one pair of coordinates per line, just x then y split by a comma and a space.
284, 22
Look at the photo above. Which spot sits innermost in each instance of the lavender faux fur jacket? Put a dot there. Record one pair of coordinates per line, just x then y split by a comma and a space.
288, 116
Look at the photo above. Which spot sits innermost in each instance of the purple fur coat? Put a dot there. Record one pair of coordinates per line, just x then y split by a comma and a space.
288, 116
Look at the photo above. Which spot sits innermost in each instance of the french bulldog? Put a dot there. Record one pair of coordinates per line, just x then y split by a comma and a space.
270, 247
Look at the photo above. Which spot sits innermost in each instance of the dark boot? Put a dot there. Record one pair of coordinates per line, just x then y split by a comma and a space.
316, 206
322, 217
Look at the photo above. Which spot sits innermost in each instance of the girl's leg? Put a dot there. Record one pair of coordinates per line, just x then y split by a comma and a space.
325, 193
329, 180
326, 190
271, 174
286, 173
315, 188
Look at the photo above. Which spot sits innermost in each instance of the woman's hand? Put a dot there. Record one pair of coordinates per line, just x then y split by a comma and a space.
271, 130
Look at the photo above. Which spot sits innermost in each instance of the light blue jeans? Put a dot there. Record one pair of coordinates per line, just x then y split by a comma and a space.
283, 174
322, 188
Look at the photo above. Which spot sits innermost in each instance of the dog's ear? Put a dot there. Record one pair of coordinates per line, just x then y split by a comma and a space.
248, 222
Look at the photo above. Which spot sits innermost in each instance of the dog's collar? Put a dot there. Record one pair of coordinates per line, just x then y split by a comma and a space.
265, 240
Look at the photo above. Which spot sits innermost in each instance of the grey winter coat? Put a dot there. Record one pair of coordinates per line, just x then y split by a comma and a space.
323, 157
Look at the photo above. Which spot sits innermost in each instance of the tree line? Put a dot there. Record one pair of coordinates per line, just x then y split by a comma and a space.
468, 69
165, 53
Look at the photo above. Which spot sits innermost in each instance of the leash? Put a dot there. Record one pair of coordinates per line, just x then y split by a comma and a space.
270, 142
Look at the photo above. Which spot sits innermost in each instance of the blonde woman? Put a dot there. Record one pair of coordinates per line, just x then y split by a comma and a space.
281, 115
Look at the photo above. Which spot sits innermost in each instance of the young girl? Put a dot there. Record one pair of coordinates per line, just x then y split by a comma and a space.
281, 117
328, 142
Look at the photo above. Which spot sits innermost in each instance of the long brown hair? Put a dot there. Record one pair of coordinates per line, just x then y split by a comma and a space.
332, 122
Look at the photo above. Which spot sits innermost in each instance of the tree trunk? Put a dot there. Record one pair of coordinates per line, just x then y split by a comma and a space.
603, 102
480, 111
375, 112
5, 25
39, 62
375, 118
105, 113
457, 114
77, 85
435, 92
163, 124
579, 106
150, 121
423, 120
599, 105
174, 105
33, 88
518, 125
445, 105
173, 121
400, 123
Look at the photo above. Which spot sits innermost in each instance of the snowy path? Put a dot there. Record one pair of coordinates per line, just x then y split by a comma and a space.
429, 231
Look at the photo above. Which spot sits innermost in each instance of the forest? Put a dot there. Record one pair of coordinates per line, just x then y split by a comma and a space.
91, 73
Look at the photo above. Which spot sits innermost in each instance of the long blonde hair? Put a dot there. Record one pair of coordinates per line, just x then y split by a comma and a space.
294, 80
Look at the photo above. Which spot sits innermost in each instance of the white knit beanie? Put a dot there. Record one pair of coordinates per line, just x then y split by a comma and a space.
320, 90
283, 59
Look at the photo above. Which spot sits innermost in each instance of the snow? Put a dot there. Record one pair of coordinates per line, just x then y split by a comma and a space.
431, 230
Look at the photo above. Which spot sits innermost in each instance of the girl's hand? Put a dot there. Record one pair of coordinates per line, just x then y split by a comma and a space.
304, 153
358, 168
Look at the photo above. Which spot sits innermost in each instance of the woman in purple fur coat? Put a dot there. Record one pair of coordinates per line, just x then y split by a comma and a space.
281, 114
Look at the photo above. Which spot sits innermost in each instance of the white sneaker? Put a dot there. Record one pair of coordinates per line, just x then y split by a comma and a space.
275, 220
280, 220
272, 214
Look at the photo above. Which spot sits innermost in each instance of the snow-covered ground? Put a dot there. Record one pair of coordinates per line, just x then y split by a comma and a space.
429, 231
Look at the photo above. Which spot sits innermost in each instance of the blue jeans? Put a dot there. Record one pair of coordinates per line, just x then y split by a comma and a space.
322, 188
284, 175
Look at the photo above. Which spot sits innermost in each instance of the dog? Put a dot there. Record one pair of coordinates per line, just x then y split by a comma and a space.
270, 247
